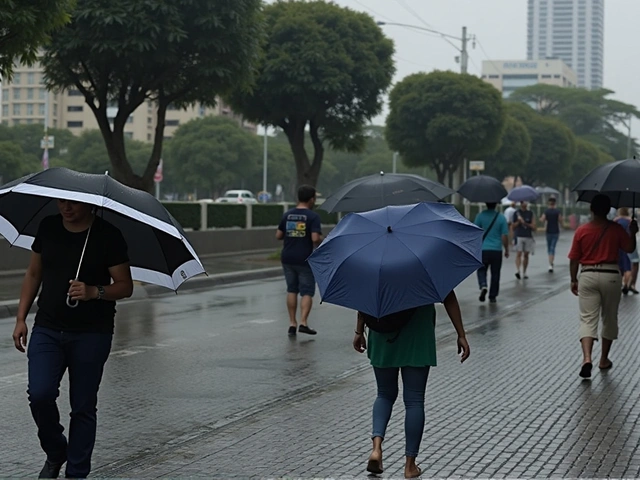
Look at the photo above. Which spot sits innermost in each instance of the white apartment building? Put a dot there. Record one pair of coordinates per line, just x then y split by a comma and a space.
509, 75
572, 30
26, 100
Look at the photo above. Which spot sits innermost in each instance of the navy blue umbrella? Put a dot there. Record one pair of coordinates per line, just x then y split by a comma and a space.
397, 257
525, 193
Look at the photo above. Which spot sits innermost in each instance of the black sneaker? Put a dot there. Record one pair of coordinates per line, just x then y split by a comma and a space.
483, 294
493, 300
307, 330
518, 275
292, 331
50, 470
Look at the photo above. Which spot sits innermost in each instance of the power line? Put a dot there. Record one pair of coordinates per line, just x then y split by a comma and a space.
373, 11
486, 54
413, 12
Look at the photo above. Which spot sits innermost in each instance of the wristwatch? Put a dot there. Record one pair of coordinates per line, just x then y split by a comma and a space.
100, 292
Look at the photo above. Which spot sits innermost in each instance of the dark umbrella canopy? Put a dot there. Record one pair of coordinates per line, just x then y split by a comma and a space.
620, 181
483, 188
158, 248
381, 190
525, 193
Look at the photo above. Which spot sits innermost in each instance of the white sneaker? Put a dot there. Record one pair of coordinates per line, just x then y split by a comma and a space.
550, 268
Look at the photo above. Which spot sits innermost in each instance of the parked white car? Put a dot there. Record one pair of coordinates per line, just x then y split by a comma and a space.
237, 196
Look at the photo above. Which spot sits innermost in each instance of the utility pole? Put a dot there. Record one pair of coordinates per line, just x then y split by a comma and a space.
464, 55
264, 160
629, 138
395, 161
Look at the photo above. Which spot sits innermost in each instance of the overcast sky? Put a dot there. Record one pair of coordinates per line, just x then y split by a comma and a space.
501, 30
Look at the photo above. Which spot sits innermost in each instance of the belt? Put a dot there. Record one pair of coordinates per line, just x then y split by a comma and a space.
600, 270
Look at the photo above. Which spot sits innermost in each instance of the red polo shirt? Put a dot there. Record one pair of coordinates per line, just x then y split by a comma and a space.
607, 251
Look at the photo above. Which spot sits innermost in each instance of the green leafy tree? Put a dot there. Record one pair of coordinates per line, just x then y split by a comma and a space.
514, 151
25, 26
553, 147
211, 155
29, 137
324, 69
588, 157
87, 153
172, 52
13, 162
438, 119
590, 114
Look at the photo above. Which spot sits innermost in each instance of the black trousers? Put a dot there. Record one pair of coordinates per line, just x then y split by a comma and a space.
491, 260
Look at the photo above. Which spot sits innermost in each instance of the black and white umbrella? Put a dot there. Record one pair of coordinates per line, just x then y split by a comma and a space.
159, 251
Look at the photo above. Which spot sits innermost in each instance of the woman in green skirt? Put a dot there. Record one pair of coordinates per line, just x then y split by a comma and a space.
411, 351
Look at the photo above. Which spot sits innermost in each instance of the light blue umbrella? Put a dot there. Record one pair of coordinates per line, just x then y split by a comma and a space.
525, 193
397, 257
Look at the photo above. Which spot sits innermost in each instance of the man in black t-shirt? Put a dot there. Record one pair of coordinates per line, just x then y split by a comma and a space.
73, 327
524, 224
301, 230
553, 218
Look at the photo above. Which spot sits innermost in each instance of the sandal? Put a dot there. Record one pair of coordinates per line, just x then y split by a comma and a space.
585, 370
418, 475
608, 366
374, 466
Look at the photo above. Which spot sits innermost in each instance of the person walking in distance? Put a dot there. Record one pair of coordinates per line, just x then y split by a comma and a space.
495, 239
508, 215
301, 230
595, 248
524, 224
73, 327
624, 259
553, 219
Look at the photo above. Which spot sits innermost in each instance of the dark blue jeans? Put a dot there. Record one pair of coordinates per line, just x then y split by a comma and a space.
491, 260
414, 385
50, 353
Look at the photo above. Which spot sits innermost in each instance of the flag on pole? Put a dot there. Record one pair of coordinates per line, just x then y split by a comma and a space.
45, 159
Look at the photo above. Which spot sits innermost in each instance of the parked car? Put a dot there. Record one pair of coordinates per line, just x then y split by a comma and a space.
237, 196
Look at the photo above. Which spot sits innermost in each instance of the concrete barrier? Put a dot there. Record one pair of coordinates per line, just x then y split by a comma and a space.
208, 242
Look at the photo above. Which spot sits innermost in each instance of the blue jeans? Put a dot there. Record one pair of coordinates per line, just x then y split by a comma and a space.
50, 353
300, 279
552, 241
414, 385
491, 259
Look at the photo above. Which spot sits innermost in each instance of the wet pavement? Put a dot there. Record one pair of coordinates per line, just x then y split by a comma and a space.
208, 384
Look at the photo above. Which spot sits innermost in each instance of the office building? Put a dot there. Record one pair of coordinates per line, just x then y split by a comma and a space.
572, 30
509, 75
27, 101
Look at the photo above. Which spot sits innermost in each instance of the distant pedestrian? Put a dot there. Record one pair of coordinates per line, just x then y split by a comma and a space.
524, 224
301, 230
495, 239
508, 215
624, 258
553, 219
73, 327
596, 247
411, 352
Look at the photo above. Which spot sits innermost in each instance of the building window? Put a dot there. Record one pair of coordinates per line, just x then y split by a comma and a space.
42, 94
16, 79
5, 110
29, 121
74, 124
75, 93
31, 78
17, 109
55, 123
172, 123
128, 135
545, 76
41, 109
130, 119
29, 108
16, 94
556, 76
55, 109
148, 137
29, 93
75, 108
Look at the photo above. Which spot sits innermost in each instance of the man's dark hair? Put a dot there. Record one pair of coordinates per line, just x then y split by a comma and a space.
491, 205
552, 200
600, 205
306, 193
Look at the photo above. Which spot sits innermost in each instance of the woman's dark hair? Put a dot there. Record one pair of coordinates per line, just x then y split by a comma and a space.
491, 205
600, 205
306, 193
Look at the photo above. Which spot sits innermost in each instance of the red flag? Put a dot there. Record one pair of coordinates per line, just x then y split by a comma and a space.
45, 159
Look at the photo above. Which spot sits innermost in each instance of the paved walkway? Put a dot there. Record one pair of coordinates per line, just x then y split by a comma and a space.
517, 408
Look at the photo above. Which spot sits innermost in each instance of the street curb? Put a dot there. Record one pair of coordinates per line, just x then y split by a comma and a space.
9, 308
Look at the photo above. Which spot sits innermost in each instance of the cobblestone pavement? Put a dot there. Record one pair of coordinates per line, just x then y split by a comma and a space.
516, 409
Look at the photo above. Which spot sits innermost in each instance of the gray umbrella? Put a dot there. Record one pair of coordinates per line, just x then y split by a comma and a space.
483, 188
547, 191
382, 190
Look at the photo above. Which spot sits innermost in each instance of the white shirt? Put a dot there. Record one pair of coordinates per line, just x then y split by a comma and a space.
508, 214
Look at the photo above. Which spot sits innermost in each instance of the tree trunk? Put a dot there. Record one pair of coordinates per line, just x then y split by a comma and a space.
307, 172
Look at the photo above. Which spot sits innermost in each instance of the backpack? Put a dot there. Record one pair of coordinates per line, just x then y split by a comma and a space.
394, 322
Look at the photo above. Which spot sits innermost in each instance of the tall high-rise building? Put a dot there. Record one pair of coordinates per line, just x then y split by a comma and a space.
571, 30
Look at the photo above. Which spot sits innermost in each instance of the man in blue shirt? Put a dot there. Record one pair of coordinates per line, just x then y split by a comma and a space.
495, 240
301, 231
553, 218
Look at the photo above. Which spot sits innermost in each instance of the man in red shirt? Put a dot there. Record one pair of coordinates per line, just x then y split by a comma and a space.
595, 247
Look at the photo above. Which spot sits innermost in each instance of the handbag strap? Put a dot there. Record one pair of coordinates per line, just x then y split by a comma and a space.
486, 232
595, 245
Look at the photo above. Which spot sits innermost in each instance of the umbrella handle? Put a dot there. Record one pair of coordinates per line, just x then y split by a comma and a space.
71, 303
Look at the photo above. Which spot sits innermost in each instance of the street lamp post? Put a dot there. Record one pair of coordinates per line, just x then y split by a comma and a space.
264, 161
395, 161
